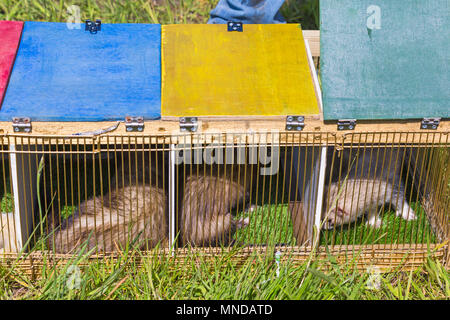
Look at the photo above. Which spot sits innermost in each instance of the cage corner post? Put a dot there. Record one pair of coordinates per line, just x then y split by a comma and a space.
23, 166
172, 208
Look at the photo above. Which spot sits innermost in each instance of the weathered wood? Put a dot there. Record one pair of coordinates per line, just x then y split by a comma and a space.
316, 131
63, 74
385, 59
263, 71
313, 37
385, 258
10, 32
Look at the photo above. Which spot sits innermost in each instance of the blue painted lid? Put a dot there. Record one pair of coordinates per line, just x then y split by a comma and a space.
64, 73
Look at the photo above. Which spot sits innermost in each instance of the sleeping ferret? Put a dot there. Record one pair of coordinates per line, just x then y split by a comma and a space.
131, 213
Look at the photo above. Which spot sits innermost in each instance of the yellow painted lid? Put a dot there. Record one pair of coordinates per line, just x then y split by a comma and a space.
262, 71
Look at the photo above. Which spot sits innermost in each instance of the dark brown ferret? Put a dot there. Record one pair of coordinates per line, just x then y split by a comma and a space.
208, 201
135, 214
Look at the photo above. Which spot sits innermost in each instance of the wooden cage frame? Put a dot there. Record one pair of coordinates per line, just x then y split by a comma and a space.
386, 257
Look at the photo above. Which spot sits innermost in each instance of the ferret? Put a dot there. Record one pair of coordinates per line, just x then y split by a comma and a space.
7, 233
352, 199
134, 213
208, 200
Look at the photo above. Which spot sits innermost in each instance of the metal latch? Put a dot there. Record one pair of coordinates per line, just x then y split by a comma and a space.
134, 124
21, 124
188, 124
430, 123
93, 27
295, 123
235, 26
346, 124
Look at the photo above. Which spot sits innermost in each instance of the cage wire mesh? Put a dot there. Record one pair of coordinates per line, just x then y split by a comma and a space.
254, 191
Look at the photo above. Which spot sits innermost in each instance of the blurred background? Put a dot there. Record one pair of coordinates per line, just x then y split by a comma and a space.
305, 12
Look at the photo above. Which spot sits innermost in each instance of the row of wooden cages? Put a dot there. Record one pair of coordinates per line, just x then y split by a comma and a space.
288, 192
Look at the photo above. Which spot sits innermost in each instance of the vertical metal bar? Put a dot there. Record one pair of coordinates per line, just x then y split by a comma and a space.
172, 196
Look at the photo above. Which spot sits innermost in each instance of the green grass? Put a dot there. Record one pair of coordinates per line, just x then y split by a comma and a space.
393, 230
273, 225
219, 278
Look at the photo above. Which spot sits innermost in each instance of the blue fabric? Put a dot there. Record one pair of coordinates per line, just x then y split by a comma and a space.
247, 11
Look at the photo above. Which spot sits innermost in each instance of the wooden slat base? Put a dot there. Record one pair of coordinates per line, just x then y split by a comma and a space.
385, 258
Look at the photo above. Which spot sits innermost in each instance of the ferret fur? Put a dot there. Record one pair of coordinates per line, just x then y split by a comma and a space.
352, 199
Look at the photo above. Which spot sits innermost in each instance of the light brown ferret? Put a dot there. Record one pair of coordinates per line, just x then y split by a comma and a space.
135, 213
353, 199
208, 200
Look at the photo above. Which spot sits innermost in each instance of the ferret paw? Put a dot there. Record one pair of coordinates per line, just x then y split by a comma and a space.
407, 213
243, 222
375, 222
252, 208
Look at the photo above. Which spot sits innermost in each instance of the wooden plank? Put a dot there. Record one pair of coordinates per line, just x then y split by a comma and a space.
262, 71
65, 74
385, 59
387, 257
316, 131
10, 32
313, 37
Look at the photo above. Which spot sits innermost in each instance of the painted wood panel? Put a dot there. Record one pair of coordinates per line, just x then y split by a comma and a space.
384, 59
262, 71
10, 32
63, 74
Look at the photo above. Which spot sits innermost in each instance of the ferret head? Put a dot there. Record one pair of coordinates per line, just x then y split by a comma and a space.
336, 214
335, 217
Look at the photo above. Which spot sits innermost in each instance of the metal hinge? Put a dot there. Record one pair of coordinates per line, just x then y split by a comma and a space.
346, 124
430, 123
134, 124
295, 123
188, 124
93, 27
21, 124
235, 26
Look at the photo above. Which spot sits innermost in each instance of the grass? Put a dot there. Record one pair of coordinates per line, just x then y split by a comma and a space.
219, 278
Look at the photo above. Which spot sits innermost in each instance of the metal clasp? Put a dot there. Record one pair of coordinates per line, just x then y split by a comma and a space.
134, 124
235, 26
21, 124
188, 124
295, 123
346, 124
93, 27
430, 123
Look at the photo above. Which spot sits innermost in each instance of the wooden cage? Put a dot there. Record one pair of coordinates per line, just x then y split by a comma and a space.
378, 194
